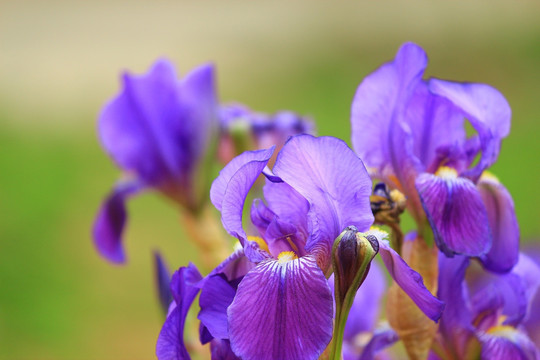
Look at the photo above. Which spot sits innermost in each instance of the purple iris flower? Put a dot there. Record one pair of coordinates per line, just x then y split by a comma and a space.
363, 339
411, 133
158, 130
485, 312
262, 130
271, 298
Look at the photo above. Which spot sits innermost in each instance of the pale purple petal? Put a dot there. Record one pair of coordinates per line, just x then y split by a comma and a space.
411, 282
504, 251
381, 339
486, 109
288, 204
184, 287
216, 296
456, 214
379, 102
220, 184
281, 311
333, 180
111, 220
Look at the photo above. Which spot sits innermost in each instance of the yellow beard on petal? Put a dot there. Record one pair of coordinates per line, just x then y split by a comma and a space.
446, 173
262, 244
286, 256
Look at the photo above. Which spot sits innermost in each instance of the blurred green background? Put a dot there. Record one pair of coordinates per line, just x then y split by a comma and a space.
60, 61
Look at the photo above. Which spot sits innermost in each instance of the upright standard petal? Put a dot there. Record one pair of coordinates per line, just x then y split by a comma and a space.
411, 282
282, 310
455, 212
184, 287
111, 220
487, 110
379, 103
504, 252
332, 179
135, 126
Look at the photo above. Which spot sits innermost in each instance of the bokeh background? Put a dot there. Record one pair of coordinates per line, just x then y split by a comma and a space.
60, 61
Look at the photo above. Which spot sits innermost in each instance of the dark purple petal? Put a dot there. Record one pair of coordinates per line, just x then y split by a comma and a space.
504, 251
380, 340
282, 310
111, 220
456, 321
221, 350
411, 282
486, 109
380, 101
216, 296
162, 280
456, 213
184, 287
333, 180
505, 342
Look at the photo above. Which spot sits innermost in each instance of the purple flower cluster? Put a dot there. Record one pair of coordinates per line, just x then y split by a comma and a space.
274, 297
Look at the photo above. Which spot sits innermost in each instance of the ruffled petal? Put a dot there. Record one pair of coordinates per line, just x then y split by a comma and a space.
281, 311
220, 184
184, 287
111, 220
411, 282
504, 251
379, 101
216, 296
487, 110
456, 214
332, 179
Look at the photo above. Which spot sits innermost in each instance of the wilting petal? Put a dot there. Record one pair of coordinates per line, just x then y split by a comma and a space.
281, 311
216, 296
184, 287
504, 251
110, 222
379, 102
505, 342
411, 282
456, 321
487, 110
380, 340
456, 214
333, 180
162, 280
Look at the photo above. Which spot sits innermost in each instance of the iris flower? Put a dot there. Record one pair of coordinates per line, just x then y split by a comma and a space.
411, 133
271, 298
484, 314
157, 130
